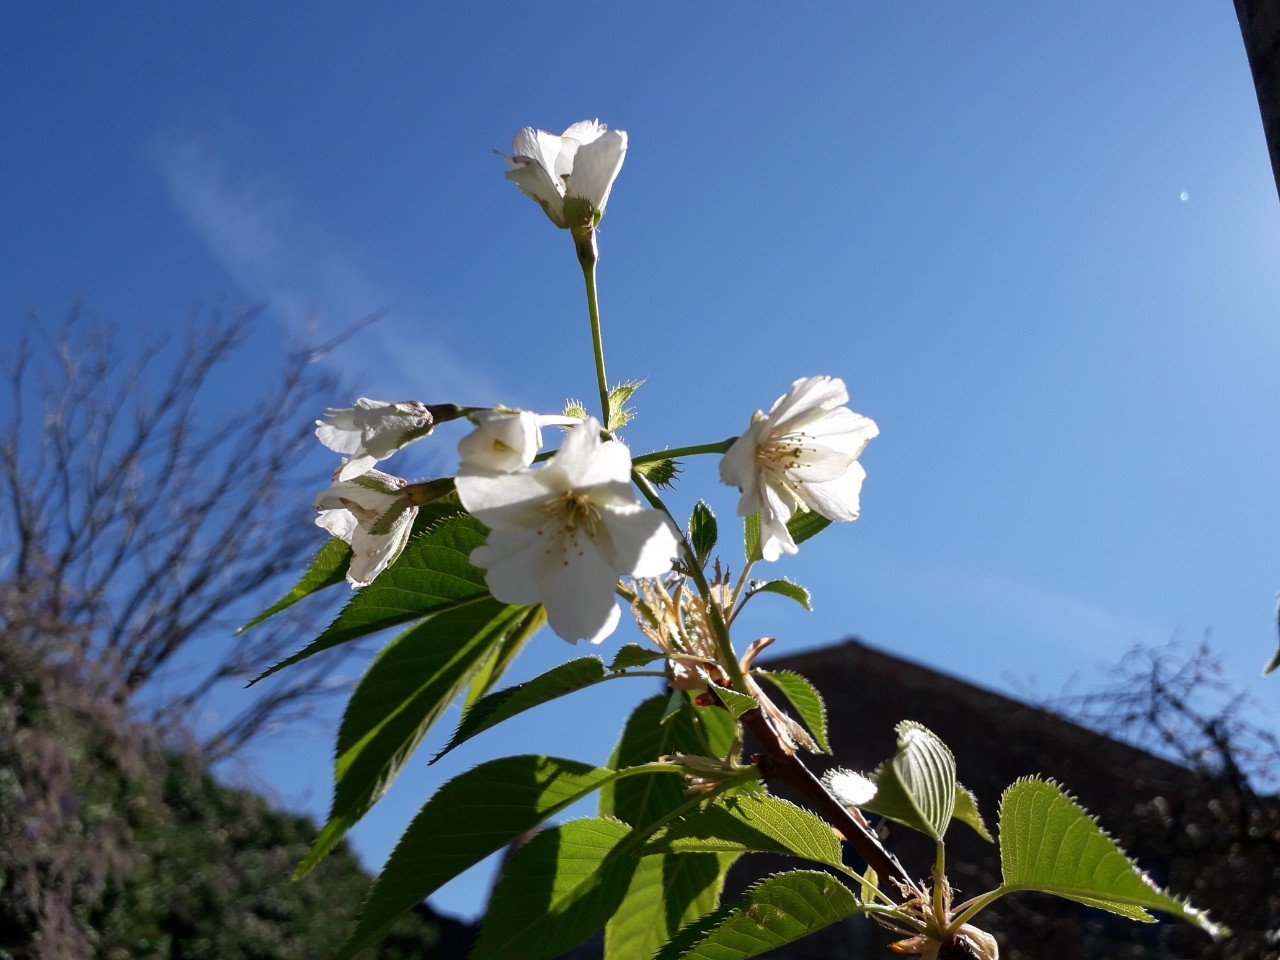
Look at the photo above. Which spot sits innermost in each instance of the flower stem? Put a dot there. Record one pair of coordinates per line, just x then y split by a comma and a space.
719, 446
588, 254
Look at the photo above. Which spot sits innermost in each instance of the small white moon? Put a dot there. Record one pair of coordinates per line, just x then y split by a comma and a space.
1184, 196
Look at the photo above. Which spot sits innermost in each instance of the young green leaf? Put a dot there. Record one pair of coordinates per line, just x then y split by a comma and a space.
327, 568
1048, 842
804, 699
779, 910
786, 588
634, 655
967, 813
556, 891
918, 786
446, 837
433, 574
703, 532
736, 703
750, 823
400, 697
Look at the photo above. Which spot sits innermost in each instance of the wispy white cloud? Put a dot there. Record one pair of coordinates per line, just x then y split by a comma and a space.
256, 232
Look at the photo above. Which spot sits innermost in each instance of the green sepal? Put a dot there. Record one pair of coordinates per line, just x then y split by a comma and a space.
619, 413
661, 473
1049, 843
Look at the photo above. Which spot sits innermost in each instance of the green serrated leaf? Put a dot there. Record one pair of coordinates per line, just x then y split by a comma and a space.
784, 588
801, 527
666, 893
447, 837
328, 567
1049, 843
556, 891
557, 682
804, 699
433, 574
406, 689
779, 910
751, 823
917, 787
703, 532
736, 703
642, 801
503, 655
634, 655
967, 813
661, 473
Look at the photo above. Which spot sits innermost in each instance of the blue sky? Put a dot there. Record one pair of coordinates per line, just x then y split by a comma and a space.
1040, 246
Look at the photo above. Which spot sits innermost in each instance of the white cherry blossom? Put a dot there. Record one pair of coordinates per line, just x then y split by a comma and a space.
801, 455
370, 513
563, 533
372, 430
570, 175
504, 441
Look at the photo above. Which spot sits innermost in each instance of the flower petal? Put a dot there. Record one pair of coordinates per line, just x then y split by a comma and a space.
837, 499
808, 399
596, 166
577, 588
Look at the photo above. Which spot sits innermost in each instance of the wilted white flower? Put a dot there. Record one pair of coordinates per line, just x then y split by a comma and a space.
563, 533
372, 430
370, 513
801, 455
570, 175
504, 441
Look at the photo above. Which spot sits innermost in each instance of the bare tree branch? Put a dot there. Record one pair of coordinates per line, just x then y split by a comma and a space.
147, 513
